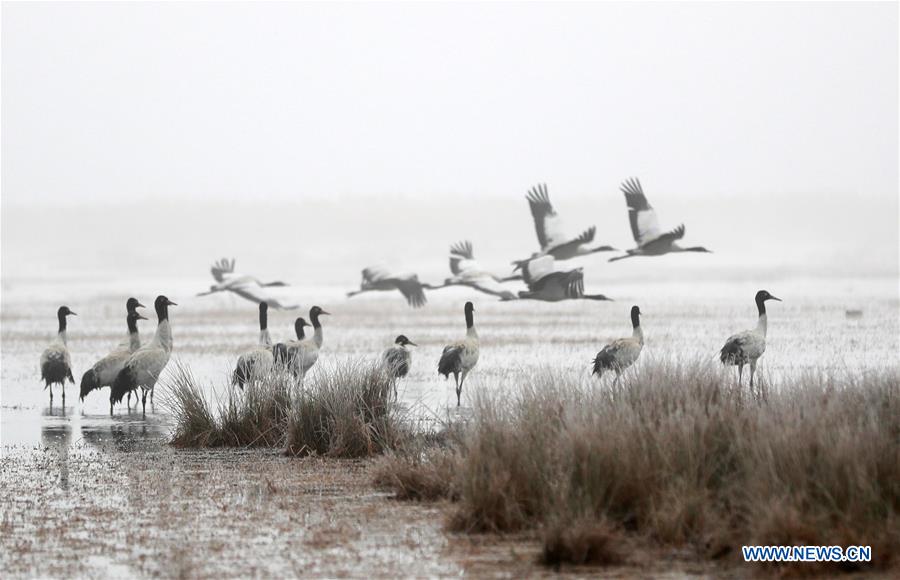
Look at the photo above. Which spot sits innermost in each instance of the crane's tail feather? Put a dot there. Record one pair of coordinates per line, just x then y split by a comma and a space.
125, 382
90, 381
451, 361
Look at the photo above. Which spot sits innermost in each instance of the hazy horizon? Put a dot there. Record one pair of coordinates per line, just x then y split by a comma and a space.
311, 140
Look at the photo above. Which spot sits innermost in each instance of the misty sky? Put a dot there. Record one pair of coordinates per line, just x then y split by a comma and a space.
130, 101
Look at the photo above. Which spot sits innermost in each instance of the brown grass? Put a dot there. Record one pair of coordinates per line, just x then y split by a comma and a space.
340, 411
681, 455
345, 412
587, 542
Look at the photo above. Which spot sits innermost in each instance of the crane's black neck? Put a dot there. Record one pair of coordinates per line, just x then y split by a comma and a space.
62, 321
635, 318
314, 318
131, 320
470, 318
761, 305
298, 328
162, 311
263, 317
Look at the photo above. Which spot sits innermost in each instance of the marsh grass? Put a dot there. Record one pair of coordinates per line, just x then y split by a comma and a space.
347, 411
340, 411
679, 454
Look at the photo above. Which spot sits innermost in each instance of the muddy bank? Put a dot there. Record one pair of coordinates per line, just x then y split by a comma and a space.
140, 508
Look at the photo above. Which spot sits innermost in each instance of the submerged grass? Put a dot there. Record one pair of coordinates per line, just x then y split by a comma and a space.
677, 453
341, 411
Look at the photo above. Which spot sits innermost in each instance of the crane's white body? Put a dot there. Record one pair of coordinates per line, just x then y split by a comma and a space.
259, 359
248, 287
468, 272
109, 366
551, 234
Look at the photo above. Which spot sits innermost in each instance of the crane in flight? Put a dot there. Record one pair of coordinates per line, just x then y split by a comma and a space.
247, 287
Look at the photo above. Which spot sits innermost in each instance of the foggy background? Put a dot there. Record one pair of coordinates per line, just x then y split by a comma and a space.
143, 141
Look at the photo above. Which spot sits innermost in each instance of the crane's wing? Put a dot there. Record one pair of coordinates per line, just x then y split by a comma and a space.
251, 290
571, 282
575, 284
221, 268
537, 268
547, 223
372, 275
644, 224
412, 290
670, 236
586, 237
462, 257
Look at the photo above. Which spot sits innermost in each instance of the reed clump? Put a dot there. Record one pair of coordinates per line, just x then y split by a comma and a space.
339, 411
347, 411
680, 454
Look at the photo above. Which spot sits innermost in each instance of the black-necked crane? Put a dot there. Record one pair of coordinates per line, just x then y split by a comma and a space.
651, 241
459, 358
56, 364
468, 272
378, 279
145, 365
746, 347
105, 370
303, 353
244, 286
283, 352
257, 361
550, 232
549, 284
397, 359
623, 352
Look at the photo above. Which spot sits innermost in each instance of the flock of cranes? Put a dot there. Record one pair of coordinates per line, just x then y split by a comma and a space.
545, 279
132, 366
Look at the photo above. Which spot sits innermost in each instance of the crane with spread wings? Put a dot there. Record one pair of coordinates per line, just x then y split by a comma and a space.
548, 283
551, 234
650, 239
380, 279
248, 287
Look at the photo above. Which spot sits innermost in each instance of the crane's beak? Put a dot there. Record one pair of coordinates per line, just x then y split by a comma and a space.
139, 305
412, 343
139, 317
170, 303
73, 313
774, 298
323, 312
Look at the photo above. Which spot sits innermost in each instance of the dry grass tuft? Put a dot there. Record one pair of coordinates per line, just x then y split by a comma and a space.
581, 543
421, 474
344, 411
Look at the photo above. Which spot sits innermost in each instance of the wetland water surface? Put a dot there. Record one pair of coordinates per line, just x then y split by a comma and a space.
86, 494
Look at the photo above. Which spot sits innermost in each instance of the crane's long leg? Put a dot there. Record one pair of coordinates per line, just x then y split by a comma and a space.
51, 394
144, 402
152, 389
752, 371
740, 373
458, 387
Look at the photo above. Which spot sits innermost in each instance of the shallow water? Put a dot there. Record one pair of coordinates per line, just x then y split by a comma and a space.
808, 331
